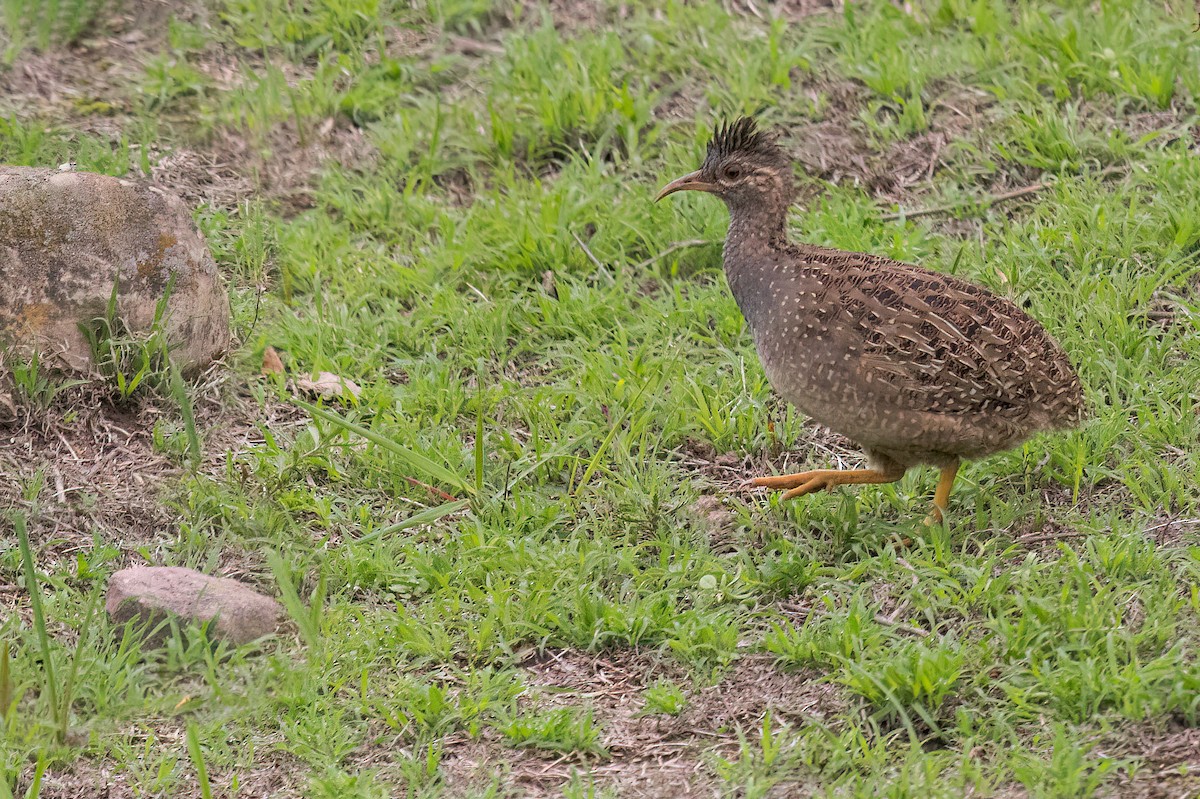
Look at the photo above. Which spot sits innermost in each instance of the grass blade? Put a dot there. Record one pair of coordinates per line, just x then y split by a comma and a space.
39, 620
413, 458
305, 619
6, 688
427, 516
69, 683
180, 395
479, 449
35, 785
617, 421
197, 756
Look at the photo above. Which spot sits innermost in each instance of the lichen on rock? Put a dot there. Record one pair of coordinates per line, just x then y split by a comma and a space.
68, 238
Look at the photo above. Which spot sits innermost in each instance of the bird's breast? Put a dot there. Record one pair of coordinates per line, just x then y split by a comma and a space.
806, 357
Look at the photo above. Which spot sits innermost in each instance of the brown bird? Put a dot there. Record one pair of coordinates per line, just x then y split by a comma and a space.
916, 366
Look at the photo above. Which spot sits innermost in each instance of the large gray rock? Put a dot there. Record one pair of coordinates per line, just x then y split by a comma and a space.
149, 593
65, 240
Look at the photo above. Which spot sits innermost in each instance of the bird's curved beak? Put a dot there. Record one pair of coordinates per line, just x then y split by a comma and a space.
689, 182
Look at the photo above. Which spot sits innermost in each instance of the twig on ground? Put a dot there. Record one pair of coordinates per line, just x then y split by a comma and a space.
901, 626
1042, 537
1171, 523
591, 256
753, 9
989, 201
879, 617
555, 763
474, 47
60, 492
478, 293
67, 444
937, 153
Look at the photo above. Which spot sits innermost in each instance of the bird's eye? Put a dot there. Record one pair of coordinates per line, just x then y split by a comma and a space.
732, 173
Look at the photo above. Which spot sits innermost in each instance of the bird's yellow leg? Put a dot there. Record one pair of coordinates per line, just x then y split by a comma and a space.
941, 497
819, 479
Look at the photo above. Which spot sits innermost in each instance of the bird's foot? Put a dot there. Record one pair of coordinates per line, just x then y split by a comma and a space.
797, 485
802, 483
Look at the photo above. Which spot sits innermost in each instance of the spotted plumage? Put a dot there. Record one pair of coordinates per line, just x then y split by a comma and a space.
917, 366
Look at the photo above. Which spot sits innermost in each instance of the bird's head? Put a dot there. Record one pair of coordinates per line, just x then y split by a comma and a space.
744, 167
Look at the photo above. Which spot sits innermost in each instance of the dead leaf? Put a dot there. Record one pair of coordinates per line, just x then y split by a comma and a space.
329, 386
272, 364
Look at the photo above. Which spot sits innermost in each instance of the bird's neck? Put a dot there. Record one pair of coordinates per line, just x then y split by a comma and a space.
755, 233
757, 238
759, 225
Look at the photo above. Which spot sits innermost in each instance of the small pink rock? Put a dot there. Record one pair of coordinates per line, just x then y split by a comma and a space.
149, 593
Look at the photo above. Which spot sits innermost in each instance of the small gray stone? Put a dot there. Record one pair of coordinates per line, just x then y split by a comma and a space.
67, 238
149, 593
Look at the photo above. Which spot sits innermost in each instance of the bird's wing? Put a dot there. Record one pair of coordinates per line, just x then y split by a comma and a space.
932, 342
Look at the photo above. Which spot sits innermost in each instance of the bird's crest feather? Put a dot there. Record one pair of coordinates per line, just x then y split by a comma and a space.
740, 136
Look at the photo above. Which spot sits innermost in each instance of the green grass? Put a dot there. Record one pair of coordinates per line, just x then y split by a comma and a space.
49, 23
519, 474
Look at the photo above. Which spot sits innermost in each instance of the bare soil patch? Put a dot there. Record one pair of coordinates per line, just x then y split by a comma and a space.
280, 164
281, 167
1177, 121
98, 67
647, 755
840, 149
91, 87
100, 473
1169, 762
535, 774
755, 687
791, 10
103, 478
275, 776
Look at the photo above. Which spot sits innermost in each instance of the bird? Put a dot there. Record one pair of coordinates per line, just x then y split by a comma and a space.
918, 367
